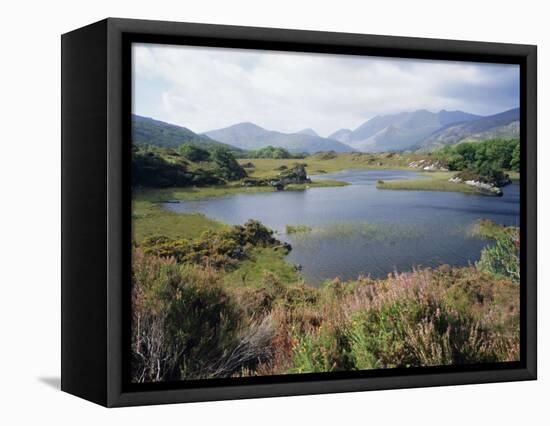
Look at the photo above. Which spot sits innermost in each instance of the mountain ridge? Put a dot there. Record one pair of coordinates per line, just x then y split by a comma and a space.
147, 130
250, 136
501, 125
400, 131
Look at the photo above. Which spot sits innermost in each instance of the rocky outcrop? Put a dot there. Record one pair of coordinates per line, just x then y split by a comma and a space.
485, 187
428, 165
295, 175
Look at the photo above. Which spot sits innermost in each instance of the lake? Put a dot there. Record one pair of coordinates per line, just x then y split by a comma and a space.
358, 229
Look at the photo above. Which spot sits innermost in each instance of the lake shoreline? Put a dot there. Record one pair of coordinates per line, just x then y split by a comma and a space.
390, 241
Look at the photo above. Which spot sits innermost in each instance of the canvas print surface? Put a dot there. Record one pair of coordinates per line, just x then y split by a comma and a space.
298, 213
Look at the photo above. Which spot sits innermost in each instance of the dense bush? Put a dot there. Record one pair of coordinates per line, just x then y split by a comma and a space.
448, 316
228, 166
194, 153
490, 176
502, 258
150, 169
482, 157
271, 152
221, 249
185, 325
192, 166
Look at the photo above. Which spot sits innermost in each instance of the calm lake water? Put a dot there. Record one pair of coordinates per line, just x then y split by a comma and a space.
358, 229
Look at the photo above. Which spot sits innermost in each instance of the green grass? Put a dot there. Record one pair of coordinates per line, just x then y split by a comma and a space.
265, 168
196, 193
486, 228
433, 181
353, 229
149, 220
251, 271
295, 229
315, 184
199, 193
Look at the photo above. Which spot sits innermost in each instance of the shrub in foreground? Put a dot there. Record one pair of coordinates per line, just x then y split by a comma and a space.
188, 323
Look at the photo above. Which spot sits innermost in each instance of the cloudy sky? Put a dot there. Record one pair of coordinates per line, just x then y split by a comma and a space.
210, 88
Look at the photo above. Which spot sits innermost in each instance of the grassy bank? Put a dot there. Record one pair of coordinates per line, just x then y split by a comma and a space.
486, 228
149, 220
251, 271
158, 195
326, 163
432, 181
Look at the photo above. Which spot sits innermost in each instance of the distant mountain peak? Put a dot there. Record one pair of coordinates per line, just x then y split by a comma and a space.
246, 125
252, 137
308, 131
403, 130
342, 135
502, 125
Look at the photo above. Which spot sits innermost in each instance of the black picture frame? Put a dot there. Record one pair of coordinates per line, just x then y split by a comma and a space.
96, 210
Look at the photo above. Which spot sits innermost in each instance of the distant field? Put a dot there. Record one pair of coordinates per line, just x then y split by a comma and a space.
317, 165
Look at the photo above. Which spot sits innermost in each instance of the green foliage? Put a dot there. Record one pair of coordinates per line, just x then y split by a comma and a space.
188, 323
515, 160
486, 228
150, 169
445, 317
296, 229
329, 349
183, 321
194, 153
228, 166
485, 175
217, 249
483, 157
271, 152
154, 167
250, 271
502, 258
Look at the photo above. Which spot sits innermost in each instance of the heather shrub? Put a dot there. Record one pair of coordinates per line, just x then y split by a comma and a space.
326, 349
442, 317
184, 323
502, 258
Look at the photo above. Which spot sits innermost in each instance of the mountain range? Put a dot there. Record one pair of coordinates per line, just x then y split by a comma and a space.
148, 131
406, 131
503, 125
399, 132
251, 136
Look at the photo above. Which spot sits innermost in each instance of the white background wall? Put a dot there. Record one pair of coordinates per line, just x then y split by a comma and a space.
30, 211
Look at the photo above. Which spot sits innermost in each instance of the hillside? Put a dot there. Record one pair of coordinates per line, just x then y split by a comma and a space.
399, 132
249, 136
148, 131
504, 125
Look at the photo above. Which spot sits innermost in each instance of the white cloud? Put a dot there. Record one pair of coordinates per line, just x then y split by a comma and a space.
208, 88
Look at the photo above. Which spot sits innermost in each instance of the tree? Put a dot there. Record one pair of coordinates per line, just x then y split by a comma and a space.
229, 168
194, 153
515, 160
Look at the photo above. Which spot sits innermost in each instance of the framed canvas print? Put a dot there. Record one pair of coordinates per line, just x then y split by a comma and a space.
252, 212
